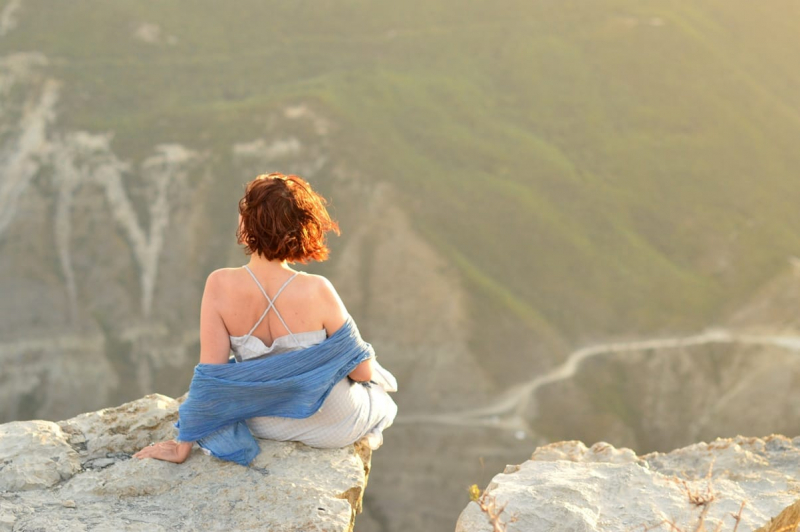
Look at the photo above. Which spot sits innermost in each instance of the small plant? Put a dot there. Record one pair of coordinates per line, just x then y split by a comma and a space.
700, 526
699, 498
474, 493
488, 505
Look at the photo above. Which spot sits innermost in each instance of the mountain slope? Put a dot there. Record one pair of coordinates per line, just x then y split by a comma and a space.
513, 181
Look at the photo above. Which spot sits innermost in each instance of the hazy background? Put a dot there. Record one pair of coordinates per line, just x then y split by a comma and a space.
520, 185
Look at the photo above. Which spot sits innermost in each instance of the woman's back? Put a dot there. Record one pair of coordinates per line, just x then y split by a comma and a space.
251, 345
279, 302
264, 302
352, 410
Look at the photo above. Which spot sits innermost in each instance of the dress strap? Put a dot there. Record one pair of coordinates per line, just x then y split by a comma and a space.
271, 305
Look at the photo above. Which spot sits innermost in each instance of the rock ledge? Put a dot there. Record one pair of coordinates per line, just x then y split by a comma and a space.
567, 486
77, 475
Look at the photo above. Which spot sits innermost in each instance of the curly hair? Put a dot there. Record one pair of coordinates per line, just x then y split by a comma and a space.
284, 219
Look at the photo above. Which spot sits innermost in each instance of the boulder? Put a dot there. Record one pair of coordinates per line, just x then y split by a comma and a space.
567, 486
35, 455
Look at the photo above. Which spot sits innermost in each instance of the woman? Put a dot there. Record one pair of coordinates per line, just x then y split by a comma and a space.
282, 220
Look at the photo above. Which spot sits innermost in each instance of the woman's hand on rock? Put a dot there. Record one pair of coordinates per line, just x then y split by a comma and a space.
169, 451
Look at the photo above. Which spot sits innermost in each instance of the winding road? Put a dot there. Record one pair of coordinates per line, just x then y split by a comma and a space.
508, 411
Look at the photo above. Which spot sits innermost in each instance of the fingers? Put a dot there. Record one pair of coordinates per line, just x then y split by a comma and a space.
147, 452
144, 453
166, 450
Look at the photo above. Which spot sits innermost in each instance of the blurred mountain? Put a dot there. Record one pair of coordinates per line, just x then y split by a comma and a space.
513, 182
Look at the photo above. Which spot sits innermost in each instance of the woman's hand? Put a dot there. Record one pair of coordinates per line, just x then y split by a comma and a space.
169, 451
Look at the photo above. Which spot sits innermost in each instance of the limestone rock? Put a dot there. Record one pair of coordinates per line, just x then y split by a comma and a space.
79, 475
125, 428
34, 454
567, 486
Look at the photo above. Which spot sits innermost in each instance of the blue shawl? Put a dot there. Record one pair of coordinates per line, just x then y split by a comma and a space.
293, 384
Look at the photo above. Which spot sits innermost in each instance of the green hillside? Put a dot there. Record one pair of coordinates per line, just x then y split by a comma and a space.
590, 170
591, 167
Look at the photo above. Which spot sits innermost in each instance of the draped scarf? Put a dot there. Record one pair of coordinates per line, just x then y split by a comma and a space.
292, 384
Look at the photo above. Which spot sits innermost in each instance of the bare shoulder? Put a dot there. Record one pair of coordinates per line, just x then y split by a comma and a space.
225, 286
318, 281
322, 288
219, 279
333, 310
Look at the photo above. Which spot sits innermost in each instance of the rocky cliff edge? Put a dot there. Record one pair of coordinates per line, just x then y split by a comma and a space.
740, 484
78, 475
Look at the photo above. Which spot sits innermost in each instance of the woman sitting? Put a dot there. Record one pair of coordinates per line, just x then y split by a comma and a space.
282, 220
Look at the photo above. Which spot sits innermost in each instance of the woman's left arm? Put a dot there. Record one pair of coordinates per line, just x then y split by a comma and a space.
215, 348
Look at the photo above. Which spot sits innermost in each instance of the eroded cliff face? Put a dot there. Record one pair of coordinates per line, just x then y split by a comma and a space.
737, 484
78, 474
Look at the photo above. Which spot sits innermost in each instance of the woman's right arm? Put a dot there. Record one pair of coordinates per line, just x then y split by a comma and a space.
215, 342
214, 349
335, 315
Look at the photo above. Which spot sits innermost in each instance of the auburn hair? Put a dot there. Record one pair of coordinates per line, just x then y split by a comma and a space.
284, 219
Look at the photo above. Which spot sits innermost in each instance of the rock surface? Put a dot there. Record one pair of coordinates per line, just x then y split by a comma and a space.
567, 486
78, 474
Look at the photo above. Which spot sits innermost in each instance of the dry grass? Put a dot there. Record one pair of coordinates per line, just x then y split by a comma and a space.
488, 504
787, 521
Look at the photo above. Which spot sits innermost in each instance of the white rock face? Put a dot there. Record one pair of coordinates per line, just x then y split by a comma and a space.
34, 455
78, 475
567, 486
